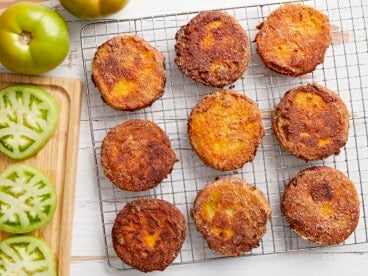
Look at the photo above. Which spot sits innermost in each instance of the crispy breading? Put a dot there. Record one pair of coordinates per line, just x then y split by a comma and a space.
232, 215
225, 129
293, 40
129, 72
212, 48
137, 155
311, 122
148, 234
321, 204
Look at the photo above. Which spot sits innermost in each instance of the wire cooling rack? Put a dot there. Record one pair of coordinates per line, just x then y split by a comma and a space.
345, 70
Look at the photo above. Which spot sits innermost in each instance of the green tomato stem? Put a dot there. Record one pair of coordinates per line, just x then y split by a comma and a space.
25, 37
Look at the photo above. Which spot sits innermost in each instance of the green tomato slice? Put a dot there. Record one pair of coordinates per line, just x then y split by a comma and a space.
26, 255
28, 118
27, 199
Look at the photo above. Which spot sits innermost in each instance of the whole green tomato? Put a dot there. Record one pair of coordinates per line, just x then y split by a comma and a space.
33, 38
89, 9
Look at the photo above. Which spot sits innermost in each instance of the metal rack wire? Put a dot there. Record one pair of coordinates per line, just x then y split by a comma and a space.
345, 70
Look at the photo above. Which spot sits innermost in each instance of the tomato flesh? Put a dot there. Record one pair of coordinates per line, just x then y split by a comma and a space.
26, 255
28, 118
27, 199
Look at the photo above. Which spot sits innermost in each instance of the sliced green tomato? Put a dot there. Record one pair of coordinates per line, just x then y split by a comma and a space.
26, 255
28, 119
27, 199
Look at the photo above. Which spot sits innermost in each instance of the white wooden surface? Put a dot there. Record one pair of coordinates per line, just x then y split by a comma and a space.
88, 255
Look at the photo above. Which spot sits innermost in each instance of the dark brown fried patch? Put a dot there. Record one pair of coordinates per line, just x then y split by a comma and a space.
212, 49
225, 129
129, 72
148, 234
293, 39
311, 122
232, 215
137, 155
321, 204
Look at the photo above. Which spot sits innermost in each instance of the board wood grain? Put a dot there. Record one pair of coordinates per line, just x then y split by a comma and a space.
57, 160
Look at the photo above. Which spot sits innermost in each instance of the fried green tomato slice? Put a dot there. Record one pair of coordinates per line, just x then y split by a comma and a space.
311, 122
213, 49
137, 155
321, 204
129, 72
225, 129
28, 118
232, 215
27, 199
26, 255
148, 234
293, 39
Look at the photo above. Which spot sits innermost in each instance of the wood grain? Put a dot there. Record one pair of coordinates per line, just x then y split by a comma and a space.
57, 160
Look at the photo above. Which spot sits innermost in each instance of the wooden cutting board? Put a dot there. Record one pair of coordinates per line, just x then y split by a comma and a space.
57, 160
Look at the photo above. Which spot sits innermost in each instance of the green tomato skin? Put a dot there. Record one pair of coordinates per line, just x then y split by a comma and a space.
50, 38
91, 9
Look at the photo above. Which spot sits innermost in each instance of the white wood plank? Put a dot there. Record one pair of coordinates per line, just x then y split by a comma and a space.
87, 230
281, 264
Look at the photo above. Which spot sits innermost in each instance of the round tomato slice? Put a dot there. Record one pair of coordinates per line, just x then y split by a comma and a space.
27, 199
28, 118
33, 38
26, 255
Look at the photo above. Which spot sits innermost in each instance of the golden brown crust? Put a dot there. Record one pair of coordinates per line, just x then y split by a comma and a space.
137, 155
129, 72
212, 49
225, 129
311, 122
294, 39
232, 215
148, 234
321, 204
